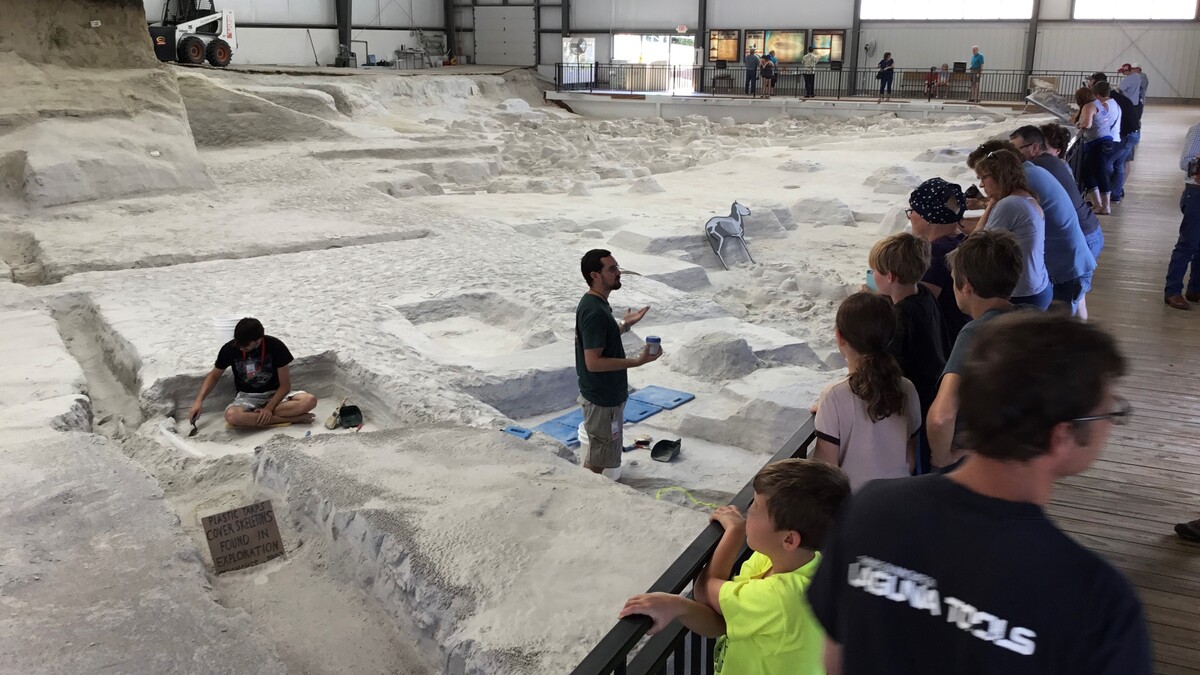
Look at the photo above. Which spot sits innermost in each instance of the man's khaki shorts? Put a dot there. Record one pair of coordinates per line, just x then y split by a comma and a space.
604, 427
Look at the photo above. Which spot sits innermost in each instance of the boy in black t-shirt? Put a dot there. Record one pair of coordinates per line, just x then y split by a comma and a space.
260, 377
963, 572
921, 343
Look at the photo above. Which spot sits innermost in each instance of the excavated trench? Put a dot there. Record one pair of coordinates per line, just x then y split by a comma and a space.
319, 577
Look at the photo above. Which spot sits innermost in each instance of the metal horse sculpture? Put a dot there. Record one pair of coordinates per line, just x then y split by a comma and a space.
720, 228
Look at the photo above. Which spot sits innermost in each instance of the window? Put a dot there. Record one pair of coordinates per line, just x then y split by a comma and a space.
653, 49
922, 10
828, 44
1147, 9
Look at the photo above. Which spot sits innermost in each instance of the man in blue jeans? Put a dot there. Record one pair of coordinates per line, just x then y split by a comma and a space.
1187, 248
1131, 124
751, 62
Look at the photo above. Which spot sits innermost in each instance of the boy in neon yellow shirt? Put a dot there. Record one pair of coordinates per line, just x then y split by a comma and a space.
762, 616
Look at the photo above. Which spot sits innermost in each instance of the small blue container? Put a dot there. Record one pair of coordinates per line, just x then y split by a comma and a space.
871, 281
654, 344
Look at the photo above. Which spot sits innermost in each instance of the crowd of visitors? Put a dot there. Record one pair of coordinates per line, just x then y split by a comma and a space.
974, 382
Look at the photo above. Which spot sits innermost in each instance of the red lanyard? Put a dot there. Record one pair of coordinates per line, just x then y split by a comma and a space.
262, 356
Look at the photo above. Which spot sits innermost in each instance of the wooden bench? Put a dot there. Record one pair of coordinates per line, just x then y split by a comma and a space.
912, 83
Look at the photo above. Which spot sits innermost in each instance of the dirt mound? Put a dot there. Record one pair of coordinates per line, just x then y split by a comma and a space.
61, 33
89, 113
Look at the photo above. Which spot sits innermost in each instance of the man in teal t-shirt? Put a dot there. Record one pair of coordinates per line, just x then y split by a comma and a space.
600, 361
976, 73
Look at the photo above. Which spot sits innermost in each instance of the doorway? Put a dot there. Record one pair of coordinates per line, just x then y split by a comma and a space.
667, 59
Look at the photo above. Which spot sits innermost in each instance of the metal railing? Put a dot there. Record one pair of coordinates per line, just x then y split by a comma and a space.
732, 80
618, 651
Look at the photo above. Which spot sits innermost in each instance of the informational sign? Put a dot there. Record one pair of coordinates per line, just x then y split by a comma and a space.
754, 40
788, 45
829, 44
723, 45
242, 537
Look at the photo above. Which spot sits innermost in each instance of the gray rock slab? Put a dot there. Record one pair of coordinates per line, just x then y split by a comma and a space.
464, 532
97, 576
42, 388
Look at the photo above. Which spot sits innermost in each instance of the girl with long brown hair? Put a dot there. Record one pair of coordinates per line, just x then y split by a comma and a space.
867, 423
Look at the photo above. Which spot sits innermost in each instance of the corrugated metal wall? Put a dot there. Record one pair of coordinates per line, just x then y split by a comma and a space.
920, 44
1168, 53
660, 15
385, 13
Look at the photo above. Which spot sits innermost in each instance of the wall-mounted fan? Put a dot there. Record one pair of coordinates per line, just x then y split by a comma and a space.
578, 46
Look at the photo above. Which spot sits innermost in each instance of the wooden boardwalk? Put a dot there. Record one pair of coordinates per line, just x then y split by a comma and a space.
1148, 479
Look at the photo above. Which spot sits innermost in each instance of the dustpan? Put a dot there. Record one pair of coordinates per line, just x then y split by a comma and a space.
665, 451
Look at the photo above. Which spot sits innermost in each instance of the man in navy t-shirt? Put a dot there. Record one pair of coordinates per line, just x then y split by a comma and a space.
963, 572
260, 377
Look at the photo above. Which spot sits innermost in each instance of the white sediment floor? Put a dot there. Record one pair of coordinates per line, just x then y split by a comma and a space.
415, 241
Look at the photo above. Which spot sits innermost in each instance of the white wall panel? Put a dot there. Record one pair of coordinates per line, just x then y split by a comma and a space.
1055, 10
730, 14
666, 14
387, 13
464, 17
425, 13
657, 15
282, 11
552, 18
924, 44
1168, 53
505, 36
285, 46
290, 46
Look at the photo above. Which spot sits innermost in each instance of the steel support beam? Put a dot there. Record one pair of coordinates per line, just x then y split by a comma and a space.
345, 9
702, 30
1031, 41
853, 46
537, 32
451, 27
566, 18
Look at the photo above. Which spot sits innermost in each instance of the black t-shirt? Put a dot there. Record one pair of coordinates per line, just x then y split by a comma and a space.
1131, 114
938, 274
255, 371
595, 328
922, 575
921, 343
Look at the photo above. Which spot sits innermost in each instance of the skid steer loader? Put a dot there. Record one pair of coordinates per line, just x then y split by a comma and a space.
194, 30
